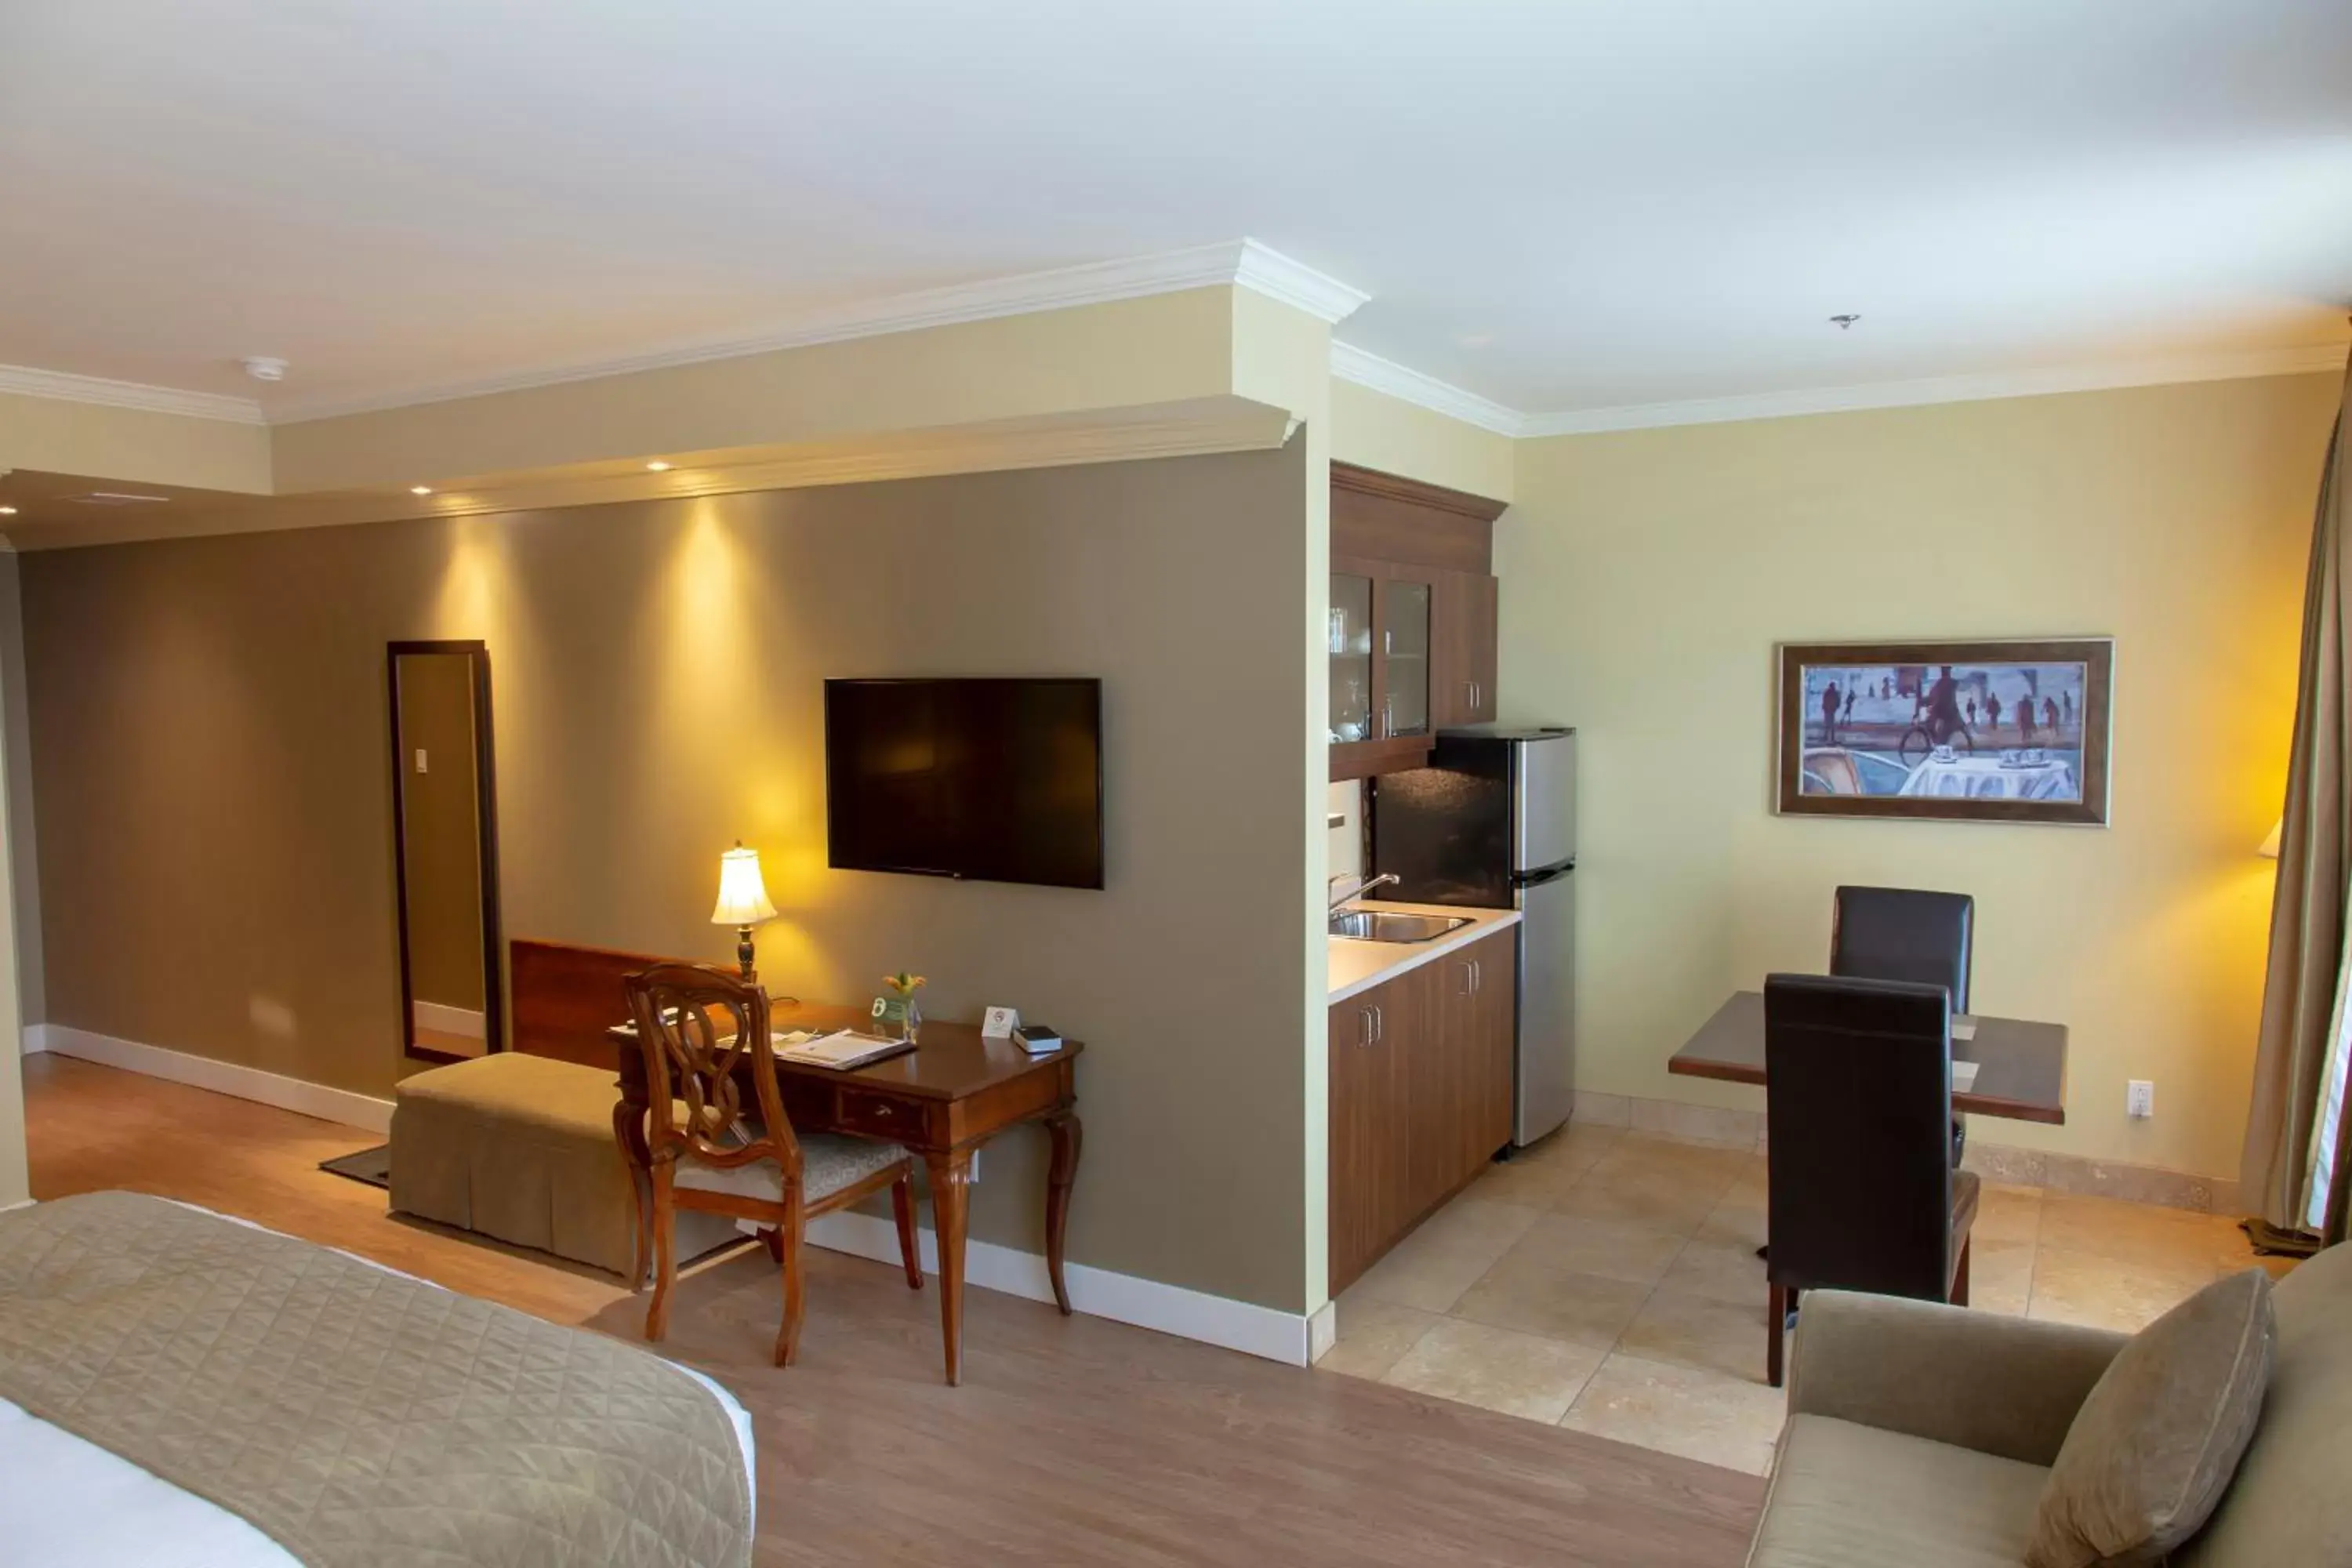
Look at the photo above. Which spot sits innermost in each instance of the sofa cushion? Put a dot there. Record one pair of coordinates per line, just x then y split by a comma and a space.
2155, 1445
2290, 1503
1848, 1495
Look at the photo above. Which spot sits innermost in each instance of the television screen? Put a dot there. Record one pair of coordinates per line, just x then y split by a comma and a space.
999, 780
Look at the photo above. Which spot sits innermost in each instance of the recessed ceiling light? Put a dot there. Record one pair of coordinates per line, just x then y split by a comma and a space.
420, 490
7, 511
658, 466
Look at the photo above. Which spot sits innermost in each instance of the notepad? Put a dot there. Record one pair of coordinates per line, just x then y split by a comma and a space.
841, 1050
1964, 1077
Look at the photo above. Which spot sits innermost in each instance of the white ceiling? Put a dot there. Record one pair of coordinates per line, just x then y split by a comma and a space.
1558, 205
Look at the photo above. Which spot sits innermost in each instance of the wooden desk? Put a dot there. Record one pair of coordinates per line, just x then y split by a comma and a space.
2020, 1066
942, 1101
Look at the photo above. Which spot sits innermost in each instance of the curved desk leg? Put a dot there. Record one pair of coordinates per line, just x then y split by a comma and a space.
629, 1132
1068, 1135
950, 1173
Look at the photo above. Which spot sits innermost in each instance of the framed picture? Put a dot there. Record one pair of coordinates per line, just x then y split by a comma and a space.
1961, 731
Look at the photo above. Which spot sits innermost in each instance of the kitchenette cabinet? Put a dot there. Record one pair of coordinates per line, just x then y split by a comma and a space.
1419, 1094
1412, 635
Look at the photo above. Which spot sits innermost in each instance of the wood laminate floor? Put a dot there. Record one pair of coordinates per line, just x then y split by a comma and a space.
1071, 1441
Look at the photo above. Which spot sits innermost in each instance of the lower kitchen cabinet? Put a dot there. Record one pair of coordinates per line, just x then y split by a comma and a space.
1420, 1095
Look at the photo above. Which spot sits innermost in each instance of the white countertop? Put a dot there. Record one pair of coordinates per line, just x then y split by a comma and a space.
1358, 966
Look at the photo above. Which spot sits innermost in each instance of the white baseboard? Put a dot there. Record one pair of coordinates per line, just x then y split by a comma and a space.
361, 1110
469, 1022
1099, 1293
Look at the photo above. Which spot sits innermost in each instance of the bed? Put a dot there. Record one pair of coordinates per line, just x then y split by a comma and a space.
182, 1390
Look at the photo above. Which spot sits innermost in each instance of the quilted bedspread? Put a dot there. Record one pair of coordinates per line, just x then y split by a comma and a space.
360, 1418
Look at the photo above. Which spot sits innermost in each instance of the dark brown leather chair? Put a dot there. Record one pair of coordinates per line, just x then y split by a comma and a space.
1858, 1104
1906, 934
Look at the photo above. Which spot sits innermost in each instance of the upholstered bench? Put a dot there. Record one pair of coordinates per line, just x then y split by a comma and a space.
519, 1148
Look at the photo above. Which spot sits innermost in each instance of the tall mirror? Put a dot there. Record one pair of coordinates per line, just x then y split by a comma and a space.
446, 849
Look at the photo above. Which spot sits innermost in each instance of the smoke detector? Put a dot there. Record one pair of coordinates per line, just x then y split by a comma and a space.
262, 367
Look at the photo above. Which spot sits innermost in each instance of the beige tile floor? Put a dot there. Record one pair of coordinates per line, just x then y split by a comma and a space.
1607, 1282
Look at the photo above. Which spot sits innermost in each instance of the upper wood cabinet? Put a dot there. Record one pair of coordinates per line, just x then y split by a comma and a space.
1412, 631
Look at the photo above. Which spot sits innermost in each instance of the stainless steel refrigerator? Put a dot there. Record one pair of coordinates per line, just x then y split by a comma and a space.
1491, 824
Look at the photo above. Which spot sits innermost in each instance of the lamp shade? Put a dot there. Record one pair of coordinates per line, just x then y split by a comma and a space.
742, 896
2270, 850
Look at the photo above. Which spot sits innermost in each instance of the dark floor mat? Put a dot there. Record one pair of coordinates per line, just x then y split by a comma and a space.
372, 1166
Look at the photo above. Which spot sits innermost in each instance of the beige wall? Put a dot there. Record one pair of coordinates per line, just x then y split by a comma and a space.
209, 746
440, 831
1374, 430
1645, 577
135, 444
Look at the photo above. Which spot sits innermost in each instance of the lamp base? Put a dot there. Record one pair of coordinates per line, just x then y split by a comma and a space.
743, 950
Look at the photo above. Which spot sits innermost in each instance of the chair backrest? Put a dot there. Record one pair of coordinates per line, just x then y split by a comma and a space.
1903, 933
703, 1031
1858, 1108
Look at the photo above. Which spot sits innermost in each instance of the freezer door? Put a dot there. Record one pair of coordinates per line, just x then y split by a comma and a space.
1545, 1076
1543, 805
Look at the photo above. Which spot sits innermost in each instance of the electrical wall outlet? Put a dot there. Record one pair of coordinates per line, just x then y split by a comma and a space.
2139, 1098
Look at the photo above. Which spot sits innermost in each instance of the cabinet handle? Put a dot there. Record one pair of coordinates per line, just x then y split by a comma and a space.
1363, 1027
1477, 976
1380, 1023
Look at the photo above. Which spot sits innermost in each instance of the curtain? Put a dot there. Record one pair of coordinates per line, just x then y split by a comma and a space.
2294, 1159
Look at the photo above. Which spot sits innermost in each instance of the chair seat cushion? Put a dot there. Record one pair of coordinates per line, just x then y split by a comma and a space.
1848, 1495
828, 1164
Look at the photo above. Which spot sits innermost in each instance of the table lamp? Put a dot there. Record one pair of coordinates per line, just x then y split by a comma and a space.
742, 901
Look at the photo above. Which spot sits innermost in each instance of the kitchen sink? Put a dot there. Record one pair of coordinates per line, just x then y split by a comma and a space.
1376, 925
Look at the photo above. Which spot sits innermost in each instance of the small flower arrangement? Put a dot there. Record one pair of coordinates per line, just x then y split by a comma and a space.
899, 1007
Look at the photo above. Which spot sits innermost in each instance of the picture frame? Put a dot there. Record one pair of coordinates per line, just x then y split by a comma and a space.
1999, 730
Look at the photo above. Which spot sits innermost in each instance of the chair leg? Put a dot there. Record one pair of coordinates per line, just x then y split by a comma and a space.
772, 1239
1960, 1275
665, 1228
788, 1339
1777, 1306
902, 1205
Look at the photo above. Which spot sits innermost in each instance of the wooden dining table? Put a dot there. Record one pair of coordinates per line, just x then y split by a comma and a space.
2021, 1065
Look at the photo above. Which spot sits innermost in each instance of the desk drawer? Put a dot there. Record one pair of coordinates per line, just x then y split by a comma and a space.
879, 1116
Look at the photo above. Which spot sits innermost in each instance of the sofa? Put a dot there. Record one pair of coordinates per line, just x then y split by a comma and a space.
1920, 1436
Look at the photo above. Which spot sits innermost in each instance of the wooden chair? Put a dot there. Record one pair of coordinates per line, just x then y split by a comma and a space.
1858, 1108
704, 1032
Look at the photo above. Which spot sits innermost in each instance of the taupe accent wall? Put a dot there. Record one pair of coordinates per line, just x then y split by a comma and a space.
209, 741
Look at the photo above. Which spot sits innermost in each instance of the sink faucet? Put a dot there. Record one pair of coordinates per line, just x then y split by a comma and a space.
1360, 887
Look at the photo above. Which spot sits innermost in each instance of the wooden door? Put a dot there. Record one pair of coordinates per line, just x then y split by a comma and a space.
1436, 1078
1465, 638
1369, 1201
1496, 1005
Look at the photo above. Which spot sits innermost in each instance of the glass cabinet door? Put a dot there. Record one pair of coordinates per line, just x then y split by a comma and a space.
1351, 658
1405, 630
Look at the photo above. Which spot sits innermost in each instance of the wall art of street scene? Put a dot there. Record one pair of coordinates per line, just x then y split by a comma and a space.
1970, 731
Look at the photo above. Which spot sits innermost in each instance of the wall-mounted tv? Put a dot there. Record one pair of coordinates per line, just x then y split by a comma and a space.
993, 780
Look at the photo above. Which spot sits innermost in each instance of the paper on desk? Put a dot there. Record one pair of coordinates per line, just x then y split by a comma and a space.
1964, 1077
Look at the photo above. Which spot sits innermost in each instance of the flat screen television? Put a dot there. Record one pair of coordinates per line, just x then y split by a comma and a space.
997, 781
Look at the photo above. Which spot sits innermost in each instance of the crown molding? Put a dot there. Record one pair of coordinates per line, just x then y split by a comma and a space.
2312, 360
59, 386
1242, 263
1295, 284
1370, 371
